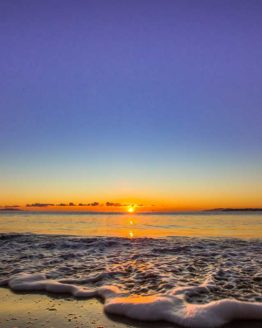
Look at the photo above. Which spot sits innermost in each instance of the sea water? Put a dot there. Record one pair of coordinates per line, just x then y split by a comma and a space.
237, 225
192, 270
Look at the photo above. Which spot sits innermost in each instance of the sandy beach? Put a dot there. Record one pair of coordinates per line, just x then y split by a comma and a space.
22, 310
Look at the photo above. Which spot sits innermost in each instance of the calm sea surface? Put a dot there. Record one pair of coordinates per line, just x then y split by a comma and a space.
244, 225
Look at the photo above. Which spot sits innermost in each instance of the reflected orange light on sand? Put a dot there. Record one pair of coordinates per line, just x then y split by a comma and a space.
139, 299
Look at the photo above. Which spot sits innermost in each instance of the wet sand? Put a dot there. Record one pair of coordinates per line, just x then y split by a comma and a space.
21, 310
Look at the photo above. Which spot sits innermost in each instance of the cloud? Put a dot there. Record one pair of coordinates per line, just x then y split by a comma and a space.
94, 204
79, 204
11, 206
115, 204
89, 204
39, 205
59, 204
71, 204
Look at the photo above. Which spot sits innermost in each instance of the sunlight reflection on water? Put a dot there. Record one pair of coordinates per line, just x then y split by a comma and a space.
135, 225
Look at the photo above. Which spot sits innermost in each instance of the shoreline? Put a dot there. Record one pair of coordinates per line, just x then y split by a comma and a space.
38, 310
185, 281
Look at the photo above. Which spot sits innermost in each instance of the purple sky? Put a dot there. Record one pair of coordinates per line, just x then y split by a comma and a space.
162, 93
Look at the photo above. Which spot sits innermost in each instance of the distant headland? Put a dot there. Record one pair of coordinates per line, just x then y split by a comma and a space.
234, 210
6, 209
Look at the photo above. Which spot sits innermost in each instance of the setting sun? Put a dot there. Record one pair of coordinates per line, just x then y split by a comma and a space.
131, 209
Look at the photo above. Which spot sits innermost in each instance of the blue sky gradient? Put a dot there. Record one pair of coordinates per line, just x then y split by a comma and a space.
163, 97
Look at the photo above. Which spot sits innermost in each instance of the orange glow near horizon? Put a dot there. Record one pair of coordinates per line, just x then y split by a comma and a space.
130, 204
131, 209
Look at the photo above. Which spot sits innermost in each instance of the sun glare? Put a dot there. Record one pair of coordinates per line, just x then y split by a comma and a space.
130, 209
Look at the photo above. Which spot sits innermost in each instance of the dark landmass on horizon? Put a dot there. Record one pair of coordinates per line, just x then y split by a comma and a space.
10, 209
234, 210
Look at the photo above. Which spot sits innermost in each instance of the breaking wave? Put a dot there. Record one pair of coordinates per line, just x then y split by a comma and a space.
192, 282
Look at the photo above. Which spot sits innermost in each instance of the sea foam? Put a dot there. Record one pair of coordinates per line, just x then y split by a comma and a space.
171, 307
185, 281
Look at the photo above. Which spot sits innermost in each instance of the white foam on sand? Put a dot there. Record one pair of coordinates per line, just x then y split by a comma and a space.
185, 281
171, 307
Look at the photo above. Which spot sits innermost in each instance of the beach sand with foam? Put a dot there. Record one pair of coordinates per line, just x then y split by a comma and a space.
22, 310
183, 281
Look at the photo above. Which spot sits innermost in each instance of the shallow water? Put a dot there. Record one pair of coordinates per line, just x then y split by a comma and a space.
183, 280
140, 266
83, 224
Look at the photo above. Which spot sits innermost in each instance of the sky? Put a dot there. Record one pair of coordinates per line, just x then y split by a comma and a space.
156, 103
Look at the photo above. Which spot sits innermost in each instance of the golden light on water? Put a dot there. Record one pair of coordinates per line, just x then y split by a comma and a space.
131, 233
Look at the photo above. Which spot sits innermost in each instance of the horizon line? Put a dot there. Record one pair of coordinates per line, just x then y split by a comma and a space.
208, 211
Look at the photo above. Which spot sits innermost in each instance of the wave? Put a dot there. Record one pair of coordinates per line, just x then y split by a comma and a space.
187, 281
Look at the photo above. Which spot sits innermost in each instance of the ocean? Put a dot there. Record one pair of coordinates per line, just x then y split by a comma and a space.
194, 270
237, 225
